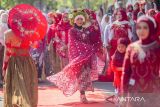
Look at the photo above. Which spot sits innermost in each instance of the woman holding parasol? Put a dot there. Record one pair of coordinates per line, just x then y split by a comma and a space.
27, 25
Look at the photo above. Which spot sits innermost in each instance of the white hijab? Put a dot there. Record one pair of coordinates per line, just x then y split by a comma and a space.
3, 26
103, 22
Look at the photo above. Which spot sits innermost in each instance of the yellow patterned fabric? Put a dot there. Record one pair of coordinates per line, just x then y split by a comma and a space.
21, 83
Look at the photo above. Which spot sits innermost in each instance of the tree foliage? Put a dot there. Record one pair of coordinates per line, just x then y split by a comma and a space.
56, 4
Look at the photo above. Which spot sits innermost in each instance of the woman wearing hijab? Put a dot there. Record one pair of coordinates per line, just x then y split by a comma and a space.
3, 28
52, 59
129, 8
150, 5
77, 75
61, 36
151, 12
141, 76
119, 29
133, 27
136, 11
104, 23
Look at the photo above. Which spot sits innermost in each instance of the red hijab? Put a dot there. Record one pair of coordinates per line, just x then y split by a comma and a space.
135, 12
124, 15
91, 13
151, 12
63, 25
152, 28
55, 16
128, 8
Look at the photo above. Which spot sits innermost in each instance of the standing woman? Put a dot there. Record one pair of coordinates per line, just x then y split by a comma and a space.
119, 29
52, 60
129, 8
3, 28
104, 23
136, 11
61, 36
77, 74
141, 76
20, 75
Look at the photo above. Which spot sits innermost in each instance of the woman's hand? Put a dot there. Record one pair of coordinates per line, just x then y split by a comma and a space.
5, 64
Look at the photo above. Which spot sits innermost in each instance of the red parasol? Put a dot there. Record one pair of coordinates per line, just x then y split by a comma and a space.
27, 22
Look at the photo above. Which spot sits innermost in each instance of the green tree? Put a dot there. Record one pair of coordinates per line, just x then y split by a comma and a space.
7, 4
56, 4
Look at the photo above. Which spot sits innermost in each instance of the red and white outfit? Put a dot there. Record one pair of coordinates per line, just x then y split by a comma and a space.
52, 60
119, 29
52, 30
141, 76
78, 74
61, 39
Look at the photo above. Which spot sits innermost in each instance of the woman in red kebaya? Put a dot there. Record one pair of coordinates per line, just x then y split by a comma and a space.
77, 75
55, 19
119, 29
141, 76
52, 61
61, 36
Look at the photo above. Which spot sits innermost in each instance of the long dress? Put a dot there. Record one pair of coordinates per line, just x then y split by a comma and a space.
3, 28
77, 75
62, 31
21, 84
52, 60
118, 29
141, 74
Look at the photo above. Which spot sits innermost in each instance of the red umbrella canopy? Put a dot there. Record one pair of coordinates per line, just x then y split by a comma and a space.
27, 22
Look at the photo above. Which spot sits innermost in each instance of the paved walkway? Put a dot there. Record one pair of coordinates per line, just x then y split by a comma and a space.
50, 96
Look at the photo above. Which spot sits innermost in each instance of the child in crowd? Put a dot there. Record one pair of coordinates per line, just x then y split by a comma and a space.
117, 62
